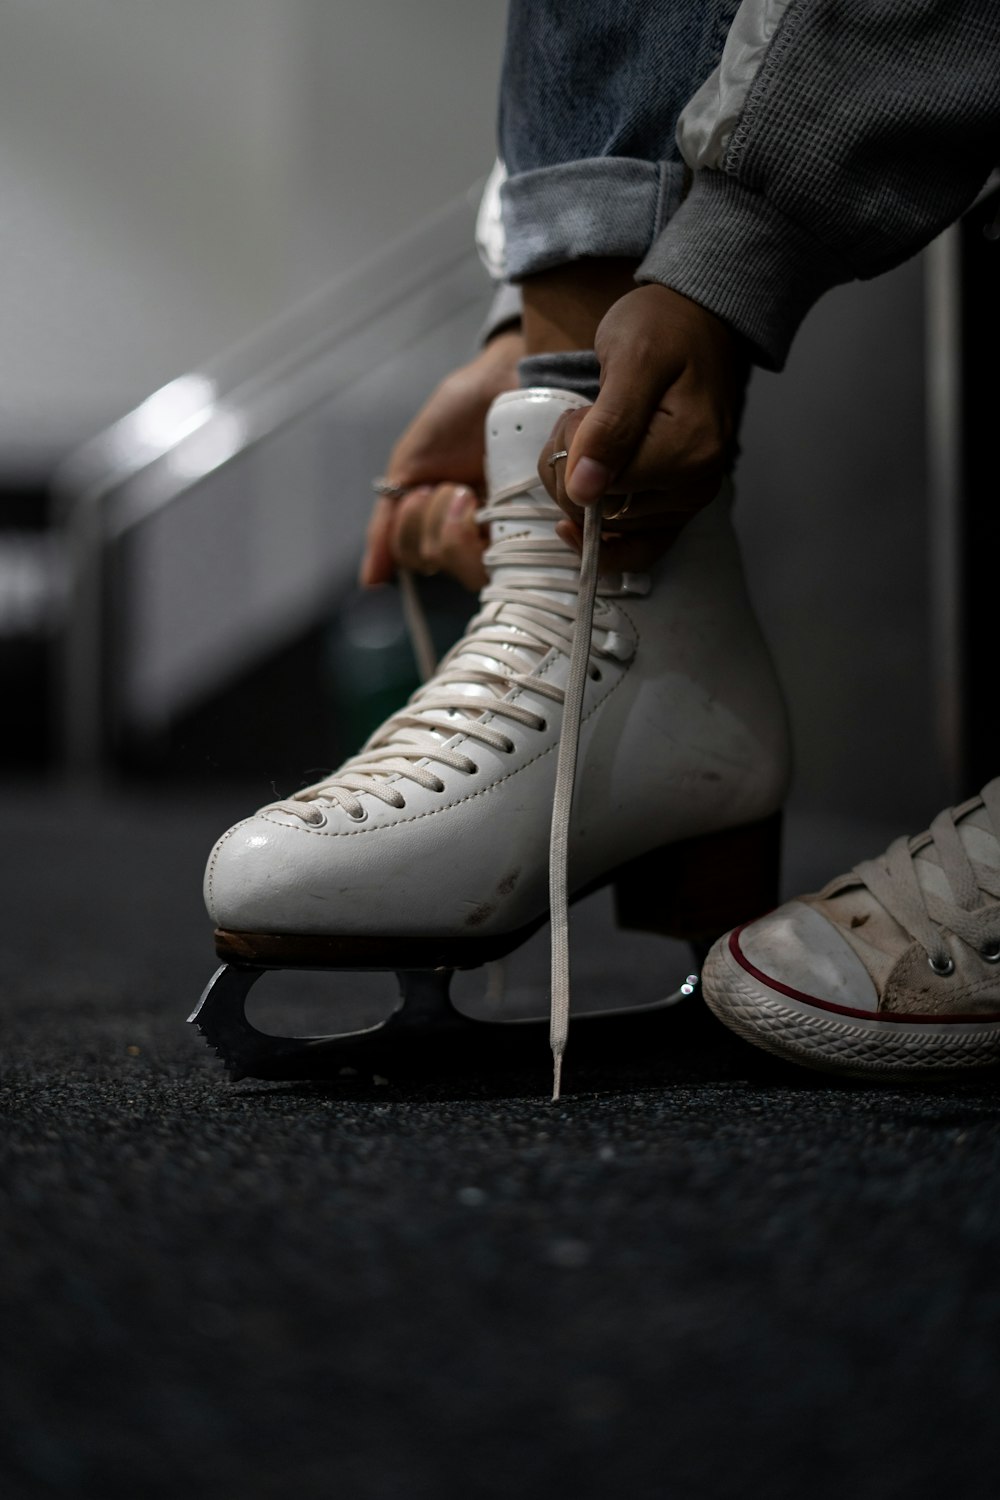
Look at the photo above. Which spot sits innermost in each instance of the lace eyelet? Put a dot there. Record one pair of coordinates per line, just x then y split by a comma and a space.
361, 817
991, 953
596, 674
943, 967
472, 769
509, 748
542, 725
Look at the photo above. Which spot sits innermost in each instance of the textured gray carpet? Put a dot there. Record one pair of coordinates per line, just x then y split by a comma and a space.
701, 1275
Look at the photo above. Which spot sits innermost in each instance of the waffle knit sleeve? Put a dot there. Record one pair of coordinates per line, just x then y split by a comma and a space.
835, 139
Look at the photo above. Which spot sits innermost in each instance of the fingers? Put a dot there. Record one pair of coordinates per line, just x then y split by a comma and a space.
377, 565
445, 437
552, 469
678, 464
662, 426
406, 532
665, 448
462, 540
668, 462
647, 507
431, 529
639, 365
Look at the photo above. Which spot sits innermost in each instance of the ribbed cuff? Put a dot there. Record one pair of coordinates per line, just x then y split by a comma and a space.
576, 370
733, 252
505, 312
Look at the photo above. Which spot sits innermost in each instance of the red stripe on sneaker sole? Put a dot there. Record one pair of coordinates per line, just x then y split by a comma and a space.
845, 1010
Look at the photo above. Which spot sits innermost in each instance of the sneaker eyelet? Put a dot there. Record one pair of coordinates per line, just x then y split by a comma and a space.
542, 725
942, 966
991, 953
596, 675
361, 817
473, 770
509, 748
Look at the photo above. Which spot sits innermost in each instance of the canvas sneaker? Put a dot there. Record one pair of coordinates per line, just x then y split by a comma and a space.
890, 971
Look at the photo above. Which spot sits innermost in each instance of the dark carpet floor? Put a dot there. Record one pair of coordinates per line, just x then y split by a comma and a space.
700, 1275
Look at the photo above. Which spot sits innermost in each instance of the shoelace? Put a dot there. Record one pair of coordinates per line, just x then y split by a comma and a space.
519, 623
892, 880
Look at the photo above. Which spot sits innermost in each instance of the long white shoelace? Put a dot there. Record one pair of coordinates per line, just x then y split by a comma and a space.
520, 621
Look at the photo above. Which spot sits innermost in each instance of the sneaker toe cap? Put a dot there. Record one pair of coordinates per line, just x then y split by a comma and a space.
797, 951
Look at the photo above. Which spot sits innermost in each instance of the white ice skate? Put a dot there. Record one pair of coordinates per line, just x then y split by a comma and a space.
429, 851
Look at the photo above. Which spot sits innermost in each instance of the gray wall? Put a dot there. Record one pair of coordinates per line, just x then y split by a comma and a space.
833, 509
174, 173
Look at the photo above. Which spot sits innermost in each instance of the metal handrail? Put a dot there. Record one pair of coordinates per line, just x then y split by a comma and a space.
209, 418
268, 373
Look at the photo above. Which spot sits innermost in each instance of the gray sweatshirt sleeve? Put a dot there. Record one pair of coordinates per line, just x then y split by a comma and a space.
835, 139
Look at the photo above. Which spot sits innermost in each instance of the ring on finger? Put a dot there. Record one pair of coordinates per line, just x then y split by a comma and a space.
620, 513
555, 457
383, 486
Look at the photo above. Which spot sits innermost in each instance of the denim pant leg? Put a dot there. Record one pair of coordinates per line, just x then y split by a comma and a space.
589, 98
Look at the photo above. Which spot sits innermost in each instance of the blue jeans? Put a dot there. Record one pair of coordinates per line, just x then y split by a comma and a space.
589, 98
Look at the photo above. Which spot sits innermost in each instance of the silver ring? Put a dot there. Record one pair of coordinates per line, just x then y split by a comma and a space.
555, 457
617, 515
383, 486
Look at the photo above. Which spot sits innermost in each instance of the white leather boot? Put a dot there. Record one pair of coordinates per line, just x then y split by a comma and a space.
431, 845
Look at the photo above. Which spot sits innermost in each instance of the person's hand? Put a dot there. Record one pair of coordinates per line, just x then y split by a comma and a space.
439, 462
659, 438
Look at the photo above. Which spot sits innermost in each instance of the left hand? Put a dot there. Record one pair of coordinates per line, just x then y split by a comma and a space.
661, 430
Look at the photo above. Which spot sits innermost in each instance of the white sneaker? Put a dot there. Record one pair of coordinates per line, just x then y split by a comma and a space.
890, 971
431, 845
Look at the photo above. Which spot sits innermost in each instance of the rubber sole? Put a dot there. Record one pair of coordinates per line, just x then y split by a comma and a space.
875, 1049
280, 950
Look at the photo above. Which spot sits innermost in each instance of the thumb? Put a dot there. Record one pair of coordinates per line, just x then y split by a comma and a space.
614, 427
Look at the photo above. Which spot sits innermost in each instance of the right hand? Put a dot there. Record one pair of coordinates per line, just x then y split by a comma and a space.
439, 461
661, 433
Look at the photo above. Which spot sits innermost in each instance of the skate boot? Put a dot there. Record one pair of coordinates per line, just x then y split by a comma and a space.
891, 972
429, 850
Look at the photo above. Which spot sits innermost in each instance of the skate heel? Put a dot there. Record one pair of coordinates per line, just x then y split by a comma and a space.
698, 888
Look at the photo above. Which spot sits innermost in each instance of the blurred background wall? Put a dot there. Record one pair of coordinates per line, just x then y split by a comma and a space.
175, 176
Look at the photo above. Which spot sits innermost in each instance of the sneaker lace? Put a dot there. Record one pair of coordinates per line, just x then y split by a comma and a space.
549, 605
922, 912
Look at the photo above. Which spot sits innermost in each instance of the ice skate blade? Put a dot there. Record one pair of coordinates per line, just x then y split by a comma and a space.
424, 1010
425, 1029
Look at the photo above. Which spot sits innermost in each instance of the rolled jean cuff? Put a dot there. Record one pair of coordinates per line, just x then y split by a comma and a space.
604, 206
